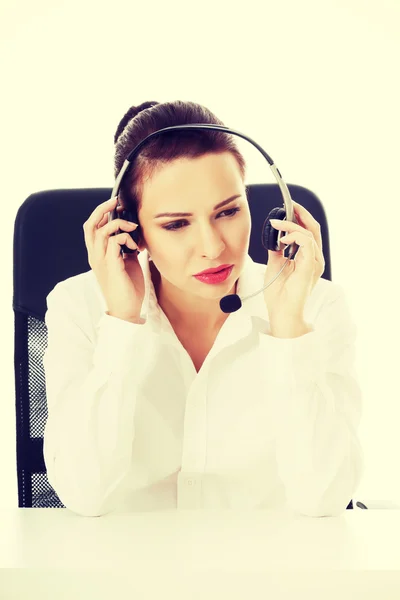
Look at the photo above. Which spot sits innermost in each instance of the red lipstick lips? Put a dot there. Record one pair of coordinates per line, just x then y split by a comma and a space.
215, 275
213, 270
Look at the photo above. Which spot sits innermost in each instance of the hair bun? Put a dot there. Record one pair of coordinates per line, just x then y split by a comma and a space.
131, 114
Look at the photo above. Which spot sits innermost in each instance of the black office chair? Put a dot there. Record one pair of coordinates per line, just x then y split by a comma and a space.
49, 247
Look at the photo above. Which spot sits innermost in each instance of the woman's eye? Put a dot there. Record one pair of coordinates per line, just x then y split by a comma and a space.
230, 212
174, 226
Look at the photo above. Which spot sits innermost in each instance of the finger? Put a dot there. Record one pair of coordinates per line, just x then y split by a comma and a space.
302, 239
290, 227
308, 221
115, 242
90, 226
109, 231
115, 225
287, 227
104, 220
308, 247
319, 254
103, 209
100, 211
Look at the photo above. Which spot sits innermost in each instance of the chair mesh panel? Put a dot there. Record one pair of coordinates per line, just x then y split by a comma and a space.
43, 495
37, 343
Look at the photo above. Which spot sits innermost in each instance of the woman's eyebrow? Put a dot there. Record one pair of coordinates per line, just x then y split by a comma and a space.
186, 214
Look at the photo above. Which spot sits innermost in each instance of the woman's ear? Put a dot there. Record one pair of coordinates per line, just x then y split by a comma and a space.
141, 246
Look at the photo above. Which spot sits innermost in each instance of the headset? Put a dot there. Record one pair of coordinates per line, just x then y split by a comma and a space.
270, 237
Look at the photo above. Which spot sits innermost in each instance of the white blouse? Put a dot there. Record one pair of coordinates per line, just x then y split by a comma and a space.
266, 422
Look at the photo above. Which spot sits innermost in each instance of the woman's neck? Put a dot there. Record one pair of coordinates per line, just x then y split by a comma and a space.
203, 321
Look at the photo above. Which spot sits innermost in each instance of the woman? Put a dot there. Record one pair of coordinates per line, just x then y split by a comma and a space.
156, 398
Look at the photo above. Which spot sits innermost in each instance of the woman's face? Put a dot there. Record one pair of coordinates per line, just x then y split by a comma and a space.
182, 246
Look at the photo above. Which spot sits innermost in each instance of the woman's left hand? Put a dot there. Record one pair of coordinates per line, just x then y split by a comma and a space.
287, 296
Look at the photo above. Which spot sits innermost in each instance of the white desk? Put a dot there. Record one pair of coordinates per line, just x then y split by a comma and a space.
199, 554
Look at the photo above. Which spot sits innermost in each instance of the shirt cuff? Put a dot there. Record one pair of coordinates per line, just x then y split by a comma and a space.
303, 357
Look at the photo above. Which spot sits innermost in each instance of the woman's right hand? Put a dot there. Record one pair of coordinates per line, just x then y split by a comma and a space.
120, 277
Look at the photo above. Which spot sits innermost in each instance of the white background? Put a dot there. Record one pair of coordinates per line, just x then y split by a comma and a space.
315, 82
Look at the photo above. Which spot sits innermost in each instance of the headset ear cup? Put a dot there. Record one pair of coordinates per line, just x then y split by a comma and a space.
269, 235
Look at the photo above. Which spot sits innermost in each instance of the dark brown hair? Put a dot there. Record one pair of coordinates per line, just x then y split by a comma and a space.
140, 121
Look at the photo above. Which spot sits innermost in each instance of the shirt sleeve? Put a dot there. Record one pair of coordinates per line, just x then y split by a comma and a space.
317, 406
91, 389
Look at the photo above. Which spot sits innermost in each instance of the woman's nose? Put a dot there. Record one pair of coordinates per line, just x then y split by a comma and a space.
210, 242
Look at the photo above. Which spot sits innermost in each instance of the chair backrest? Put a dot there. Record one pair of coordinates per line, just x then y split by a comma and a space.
49, 247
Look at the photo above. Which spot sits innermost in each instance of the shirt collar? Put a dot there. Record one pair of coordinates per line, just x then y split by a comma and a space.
238, 324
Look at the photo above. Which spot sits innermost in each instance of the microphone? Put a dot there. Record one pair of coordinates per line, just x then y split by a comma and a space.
230, 303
